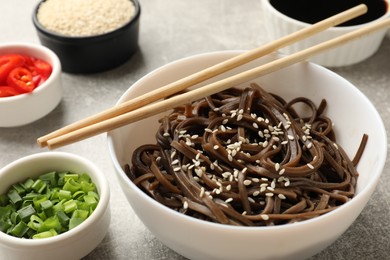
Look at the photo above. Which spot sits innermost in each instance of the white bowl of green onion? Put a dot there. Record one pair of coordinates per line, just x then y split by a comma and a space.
53, 205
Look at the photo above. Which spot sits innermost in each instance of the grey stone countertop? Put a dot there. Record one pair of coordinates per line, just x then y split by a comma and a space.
170, 30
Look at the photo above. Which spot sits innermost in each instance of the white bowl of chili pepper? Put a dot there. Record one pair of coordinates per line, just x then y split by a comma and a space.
30, 84
53, 205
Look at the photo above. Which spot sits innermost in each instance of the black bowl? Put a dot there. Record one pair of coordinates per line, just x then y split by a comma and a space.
92, 53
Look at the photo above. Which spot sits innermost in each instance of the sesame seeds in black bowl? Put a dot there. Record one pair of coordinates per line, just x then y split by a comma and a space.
89, 35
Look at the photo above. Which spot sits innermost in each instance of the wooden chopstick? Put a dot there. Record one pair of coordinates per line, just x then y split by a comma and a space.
188, 97
207, 73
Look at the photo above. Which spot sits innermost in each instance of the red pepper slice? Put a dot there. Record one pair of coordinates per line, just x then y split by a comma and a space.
7, 63
6, 91
21, 79
43, 68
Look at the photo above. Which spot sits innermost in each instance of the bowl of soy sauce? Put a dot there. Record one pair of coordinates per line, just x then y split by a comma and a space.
284, 17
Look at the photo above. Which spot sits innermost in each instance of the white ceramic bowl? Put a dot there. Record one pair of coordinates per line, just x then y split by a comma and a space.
73, 244
277, 25
27, 108
197, 239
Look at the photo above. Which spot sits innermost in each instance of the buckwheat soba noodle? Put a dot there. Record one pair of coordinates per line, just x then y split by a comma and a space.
246, 157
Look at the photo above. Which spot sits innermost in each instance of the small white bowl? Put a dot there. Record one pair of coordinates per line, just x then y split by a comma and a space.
73, 244
26, 108
197, 239
277, 25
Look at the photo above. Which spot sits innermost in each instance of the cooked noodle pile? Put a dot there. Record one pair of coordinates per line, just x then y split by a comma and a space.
245, 157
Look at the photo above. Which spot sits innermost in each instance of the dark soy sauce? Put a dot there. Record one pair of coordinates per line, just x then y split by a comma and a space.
312, 11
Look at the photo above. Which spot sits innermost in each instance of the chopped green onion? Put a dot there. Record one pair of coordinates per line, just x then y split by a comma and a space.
64, 194
35, 222
27, 184
19, 188
74, 222
26, 212
63, 218
70, 206
45, 234
49, 205
50, 223
39, 186
19, 229
71, 176
14, 196
50, 178
72, 186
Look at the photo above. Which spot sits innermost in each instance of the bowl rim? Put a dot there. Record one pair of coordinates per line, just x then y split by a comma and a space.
331, 29
313, 221
103, 204
91, 38
54, 61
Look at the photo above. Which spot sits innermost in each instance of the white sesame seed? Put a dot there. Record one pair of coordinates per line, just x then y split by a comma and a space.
177, 169
251, 200
225, 121
230, 158
175, 161
309, 145
281, 196
229, 187
199, 172
244, 213
185, 205
229, 200
277, 166
255, 125
239, 117
282, 171
166, 134
247, 182
310, 166
290, 137
194, 136
269, 194
264, 217
201, 192
208, 130
256, 193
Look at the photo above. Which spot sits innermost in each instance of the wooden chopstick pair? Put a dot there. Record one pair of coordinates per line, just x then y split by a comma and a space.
142, 106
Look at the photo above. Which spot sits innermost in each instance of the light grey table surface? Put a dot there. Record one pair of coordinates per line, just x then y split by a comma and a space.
170, 30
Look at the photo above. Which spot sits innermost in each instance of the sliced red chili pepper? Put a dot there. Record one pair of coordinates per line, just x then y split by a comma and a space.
7, 63
7, 91
43, 68
21, 79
